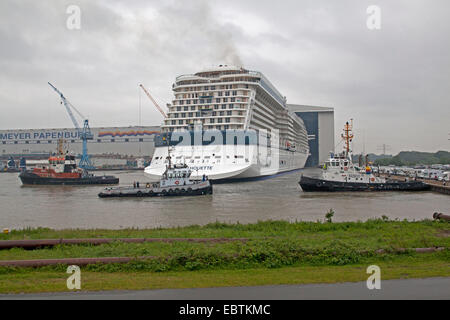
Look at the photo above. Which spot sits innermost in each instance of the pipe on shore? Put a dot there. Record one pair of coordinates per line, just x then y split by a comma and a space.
440, 216
417, 250
87, 261
69, 261
34, 244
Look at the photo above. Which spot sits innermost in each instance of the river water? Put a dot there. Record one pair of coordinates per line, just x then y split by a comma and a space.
278, 198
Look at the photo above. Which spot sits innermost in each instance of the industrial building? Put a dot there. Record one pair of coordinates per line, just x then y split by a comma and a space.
119, 142
319, 122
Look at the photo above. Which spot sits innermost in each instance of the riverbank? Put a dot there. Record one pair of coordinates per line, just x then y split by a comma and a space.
273, 252
435, 185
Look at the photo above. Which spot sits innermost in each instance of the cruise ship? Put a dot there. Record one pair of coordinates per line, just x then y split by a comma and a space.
228, 122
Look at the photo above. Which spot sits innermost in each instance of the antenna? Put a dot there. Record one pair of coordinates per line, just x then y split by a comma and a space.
140, 109
364, 141
384, 148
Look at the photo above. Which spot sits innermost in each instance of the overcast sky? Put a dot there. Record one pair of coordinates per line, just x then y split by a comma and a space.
394, 82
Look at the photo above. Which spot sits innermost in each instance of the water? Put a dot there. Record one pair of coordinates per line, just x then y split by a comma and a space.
61, 207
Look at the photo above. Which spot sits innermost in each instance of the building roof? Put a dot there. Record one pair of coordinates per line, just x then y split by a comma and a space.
305, 108
92, 128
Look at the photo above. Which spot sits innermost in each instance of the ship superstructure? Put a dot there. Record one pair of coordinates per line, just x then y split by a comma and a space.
229, 122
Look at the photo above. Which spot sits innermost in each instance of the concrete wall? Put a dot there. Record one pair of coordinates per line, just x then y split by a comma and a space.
319, 122
326, 135
311, 121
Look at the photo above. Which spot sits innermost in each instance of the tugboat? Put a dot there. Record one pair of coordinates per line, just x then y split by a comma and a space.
62, 170
340, 174
174, 182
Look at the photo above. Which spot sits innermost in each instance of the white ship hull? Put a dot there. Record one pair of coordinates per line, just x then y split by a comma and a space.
227, 162
228, 122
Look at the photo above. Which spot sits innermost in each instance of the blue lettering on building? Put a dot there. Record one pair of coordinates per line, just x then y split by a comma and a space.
38, 135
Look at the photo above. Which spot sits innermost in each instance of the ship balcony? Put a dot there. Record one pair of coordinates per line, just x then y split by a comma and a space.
213, 97
241, 108
207, 101
249, 82
189, 96
207, 117
233, 120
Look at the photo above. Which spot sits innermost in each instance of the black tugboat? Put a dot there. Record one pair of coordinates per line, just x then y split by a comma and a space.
62, 170
174, 182
340, 174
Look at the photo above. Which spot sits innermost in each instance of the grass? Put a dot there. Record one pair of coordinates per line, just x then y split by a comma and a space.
424, 266
368, 229
277, 252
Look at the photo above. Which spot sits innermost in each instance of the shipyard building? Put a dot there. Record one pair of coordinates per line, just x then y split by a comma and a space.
110, 142
319, 123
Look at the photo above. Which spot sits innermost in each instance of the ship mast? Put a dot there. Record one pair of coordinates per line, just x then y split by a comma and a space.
169, 158
348, 136
61, 147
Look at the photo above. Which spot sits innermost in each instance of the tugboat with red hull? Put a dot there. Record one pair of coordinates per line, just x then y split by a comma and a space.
340, 174
62, 170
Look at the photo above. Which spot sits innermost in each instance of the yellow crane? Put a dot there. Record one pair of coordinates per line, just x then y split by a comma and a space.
154, 102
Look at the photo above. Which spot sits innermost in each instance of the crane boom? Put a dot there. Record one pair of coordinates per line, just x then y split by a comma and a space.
84, 133
154, 102
68, 105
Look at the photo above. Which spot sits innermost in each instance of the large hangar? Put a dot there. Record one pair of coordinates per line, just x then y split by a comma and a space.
108, 141
319, 122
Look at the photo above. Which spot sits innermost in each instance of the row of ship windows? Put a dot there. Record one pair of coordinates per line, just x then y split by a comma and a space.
205, 159
228, 79
219, 94
199, 114
206, 108
208, 100
212, 120
212, 88
223, 127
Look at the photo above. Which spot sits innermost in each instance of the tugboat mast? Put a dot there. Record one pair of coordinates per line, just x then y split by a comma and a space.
61, 152
169, 158
348, 136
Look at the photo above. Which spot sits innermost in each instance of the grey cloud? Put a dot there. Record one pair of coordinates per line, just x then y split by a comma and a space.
392, 81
